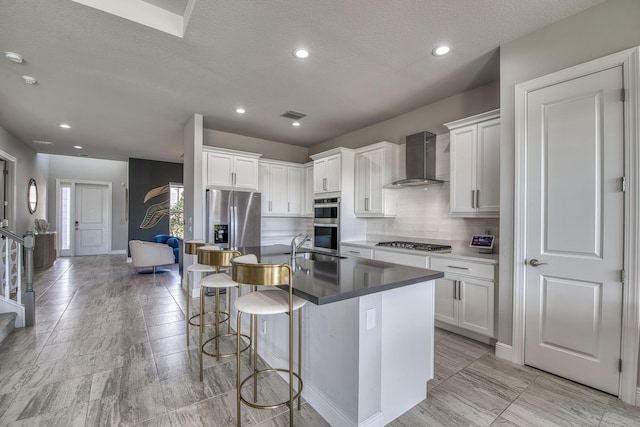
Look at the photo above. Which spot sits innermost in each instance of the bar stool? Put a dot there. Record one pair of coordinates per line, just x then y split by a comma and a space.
220, 280
272, 301
191, 248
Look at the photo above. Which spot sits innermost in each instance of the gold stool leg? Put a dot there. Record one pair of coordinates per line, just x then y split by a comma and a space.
255, 358
299, 351
201, 328
188, 296
290, 368
217, 323
239, 411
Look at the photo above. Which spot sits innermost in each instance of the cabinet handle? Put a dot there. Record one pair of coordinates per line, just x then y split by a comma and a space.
458, 268
233, 178
366, 203
457, 289
473, 199
324, 183
269, 205
354, 252
288, 206
477, 199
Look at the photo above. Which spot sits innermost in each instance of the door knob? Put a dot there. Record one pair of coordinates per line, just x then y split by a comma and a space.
534, 263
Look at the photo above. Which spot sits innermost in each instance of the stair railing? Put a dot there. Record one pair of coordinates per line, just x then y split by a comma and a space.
12, 263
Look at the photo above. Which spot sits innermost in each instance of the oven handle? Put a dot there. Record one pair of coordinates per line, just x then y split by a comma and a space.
325, 225
326, 205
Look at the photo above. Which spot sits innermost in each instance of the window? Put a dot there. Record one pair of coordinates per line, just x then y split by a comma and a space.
65, 217
176, 210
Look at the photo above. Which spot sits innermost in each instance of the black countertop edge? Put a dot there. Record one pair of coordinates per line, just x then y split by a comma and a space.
367, 291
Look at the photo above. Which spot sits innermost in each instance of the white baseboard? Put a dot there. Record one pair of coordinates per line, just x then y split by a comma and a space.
638, 396
119, 252
504, 351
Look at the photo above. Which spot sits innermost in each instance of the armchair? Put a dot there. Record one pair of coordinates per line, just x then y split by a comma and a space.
149, 254
174, 242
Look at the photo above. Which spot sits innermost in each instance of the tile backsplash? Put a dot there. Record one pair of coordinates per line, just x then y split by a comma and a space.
423, 214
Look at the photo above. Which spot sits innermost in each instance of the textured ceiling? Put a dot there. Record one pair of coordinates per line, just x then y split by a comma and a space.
128, 90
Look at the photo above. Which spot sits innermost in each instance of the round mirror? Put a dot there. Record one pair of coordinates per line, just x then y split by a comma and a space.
32, 196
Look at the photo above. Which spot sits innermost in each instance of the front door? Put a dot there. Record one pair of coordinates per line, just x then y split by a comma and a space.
92, 219
575, 229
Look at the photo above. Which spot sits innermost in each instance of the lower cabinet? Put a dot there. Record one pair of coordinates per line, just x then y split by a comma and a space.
463, 300
355, 251
466, 303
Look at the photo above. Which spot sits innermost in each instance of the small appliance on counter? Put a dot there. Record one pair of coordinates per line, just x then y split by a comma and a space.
430, 247
482, 242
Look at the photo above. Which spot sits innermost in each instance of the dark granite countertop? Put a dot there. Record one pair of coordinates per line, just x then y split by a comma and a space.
330, 280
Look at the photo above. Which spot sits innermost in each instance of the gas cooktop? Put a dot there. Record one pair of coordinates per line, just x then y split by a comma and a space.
415, 246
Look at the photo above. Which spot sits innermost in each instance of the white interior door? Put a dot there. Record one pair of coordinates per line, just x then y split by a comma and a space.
575, 229
92, 231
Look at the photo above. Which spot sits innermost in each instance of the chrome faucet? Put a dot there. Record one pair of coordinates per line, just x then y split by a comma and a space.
295, 247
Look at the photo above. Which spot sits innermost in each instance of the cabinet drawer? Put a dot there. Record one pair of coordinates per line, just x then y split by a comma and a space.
356, 251
411, 260
455, 266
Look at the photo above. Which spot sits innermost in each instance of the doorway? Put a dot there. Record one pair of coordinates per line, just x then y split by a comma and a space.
83, 217
7, 196
575, 311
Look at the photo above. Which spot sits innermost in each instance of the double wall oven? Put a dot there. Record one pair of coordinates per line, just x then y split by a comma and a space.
326, 224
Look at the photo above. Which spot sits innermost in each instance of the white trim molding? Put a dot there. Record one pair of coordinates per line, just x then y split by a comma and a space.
630, 61
504, 351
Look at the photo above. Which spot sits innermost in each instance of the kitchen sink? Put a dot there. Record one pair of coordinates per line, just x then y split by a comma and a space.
318, 256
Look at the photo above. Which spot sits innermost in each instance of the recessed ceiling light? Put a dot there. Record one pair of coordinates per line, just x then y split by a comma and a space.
78, 147
64, 126
240, 110
29, 80
441, 50
296, 124
42, 142
14, 57
301, 53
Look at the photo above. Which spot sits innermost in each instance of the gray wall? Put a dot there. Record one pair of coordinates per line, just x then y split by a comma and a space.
602, 30
269, 149
84, 169
430, 117
29, 164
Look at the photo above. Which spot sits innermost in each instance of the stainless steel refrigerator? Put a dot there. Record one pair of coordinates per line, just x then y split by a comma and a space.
233, 218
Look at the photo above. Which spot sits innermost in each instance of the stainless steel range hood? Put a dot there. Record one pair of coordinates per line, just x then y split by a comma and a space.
420, 161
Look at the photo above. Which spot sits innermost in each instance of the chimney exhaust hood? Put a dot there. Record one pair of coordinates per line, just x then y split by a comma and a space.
420, 161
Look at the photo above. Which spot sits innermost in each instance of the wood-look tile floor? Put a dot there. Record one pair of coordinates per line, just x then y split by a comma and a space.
109, 348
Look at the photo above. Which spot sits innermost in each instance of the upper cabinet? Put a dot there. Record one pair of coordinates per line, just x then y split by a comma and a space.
475, 165
375, 166
307, 201
282, 188
327, 174
230, 168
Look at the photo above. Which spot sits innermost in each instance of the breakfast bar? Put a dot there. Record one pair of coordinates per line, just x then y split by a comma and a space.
367, 334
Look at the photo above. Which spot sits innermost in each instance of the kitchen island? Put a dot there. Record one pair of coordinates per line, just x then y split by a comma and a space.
367, 335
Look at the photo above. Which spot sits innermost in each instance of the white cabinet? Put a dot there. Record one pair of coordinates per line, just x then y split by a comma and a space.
475, 165
327, 174
402, 258
281, 187
465, 296
375, 166
229, 168
307, 202
355, 251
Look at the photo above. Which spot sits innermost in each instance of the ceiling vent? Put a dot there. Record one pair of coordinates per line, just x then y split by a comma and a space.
293, 115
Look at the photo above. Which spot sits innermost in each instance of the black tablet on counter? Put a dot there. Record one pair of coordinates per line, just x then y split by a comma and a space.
482, 241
